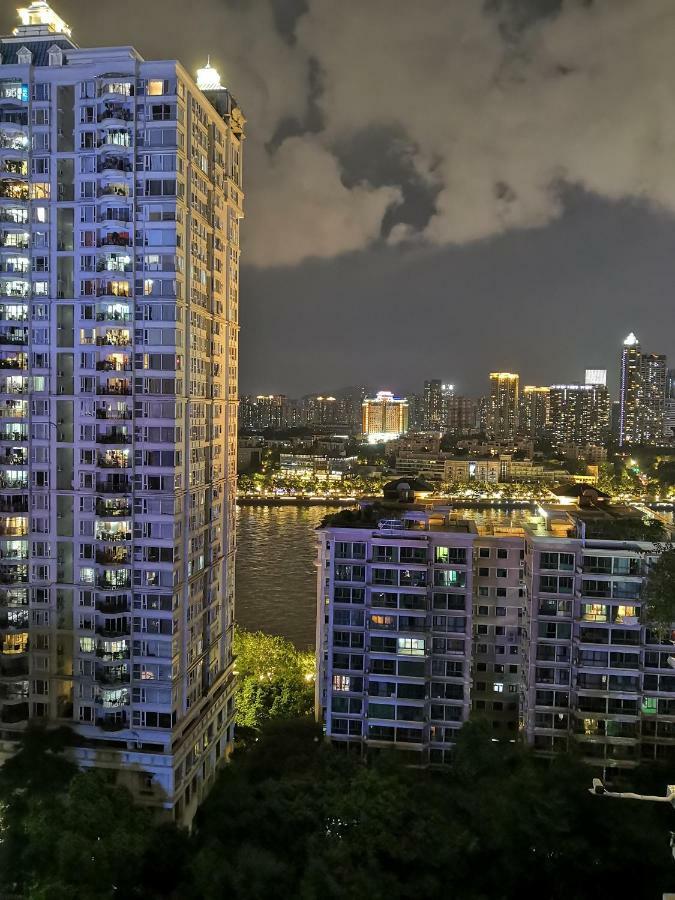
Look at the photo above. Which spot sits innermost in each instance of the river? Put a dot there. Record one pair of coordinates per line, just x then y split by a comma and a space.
276, 575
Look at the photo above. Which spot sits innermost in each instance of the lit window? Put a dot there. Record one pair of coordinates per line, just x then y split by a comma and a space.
87, 645
155, 88
342, 682
40, 191
498, 687
649, 706
411, 646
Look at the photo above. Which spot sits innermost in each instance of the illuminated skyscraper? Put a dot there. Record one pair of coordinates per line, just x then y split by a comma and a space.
503, 405
534, 411
642, 395
579, 414
384, 416
433, 405
120, 202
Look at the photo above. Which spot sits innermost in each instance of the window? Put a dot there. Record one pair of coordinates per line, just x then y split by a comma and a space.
156, 88
502, 554
411, 646
500, 611
498, 687
484, 552
484, 573
502, 573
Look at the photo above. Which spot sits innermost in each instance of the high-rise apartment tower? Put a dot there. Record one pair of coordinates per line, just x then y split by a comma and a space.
120, 201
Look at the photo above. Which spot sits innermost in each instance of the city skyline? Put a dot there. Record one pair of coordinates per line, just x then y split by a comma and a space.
560, 295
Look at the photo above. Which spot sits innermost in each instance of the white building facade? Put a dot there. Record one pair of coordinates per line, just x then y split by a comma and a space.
120, 201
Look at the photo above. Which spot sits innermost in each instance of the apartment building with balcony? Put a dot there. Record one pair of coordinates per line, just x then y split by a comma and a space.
595, 676
394, 633
120, 201
427, 615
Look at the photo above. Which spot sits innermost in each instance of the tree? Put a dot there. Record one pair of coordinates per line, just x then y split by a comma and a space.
275, 679
659, 591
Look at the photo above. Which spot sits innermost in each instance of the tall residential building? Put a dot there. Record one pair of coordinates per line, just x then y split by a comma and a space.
120, 201
642, 395
425, 616
629, 391
433, 405
653, 398
262, 412
534, 412
596, 678
579, 414
384, 416
462, 415
669, 422
503, 405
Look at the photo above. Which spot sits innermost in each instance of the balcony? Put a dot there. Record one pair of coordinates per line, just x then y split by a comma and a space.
115, 112
113, 606
110, 437
110, 723
114, 582
110, 509
17, 575
113, 412
114, 486
113, 676
109, 655
11, 715
16, 190
14, 504
118, 630
114, 459
14, 336
117, 313
117, 556
115, 164
118, 388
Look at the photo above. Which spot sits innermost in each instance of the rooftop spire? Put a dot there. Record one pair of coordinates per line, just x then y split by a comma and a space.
40, 18
631, 341
208, 78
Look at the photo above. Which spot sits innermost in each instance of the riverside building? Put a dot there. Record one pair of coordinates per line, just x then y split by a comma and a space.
425, 615
120, 201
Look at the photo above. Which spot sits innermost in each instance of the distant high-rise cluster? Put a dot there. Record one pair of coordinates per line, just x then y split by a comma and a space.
503, 405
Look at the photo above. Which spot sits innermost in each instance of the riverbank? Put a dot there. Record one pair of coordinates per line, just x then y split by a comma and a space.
248, 500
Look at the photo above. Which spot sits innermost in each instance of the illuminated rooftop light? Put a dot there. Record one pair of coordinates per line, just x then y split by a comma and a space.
40, 15
504, 375
208, 78
631, 341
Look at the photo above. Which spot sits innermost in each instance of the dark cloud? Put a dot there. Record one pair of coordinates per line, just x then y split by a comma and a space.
453, 132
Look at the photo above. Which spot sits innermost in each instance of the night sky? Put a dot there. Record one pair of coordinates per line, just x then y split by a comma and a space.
440, 188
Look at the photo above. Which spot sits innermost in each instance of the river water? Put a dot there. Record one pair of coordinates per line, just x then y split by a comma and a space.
276, 575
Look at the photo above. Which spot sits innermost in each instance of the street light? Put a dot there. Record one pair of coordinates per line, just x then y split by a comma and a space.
599, 790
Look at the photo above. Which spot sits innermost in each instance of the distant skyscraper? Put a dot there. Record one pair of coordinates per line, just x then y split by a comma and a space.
462, 415
534, 411
642, 395
120, 204
669, 426
416, 412
579, 414
384, 416
263, 412
433, 405
629, 388
653, 398
596, 376
502, 418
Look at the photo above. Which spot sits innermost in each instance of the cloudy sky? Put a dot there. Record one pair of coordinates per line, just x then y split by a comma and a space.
438, 188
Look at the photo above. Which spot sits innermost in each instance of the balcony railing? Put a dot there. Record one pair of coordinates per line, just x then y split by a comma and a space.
106, 511
118, 486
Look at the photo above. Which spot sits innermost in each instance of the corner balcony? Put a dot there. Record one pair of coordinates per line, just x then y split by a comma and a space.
111, 606
114, 337
118, 164
14, 216
17, 288
13, 336
112, 436
13, 526
112, 650
114, 630
12, 715
115, 722
13, 481
14, 189
115, 263
13, 409
114, 312
112, 113
12, 167
13, 240
113, 675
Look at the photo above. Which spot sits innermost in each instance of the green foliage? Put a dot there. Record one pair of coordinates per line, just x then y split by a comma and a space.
659, 591
275, 680
297, 818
